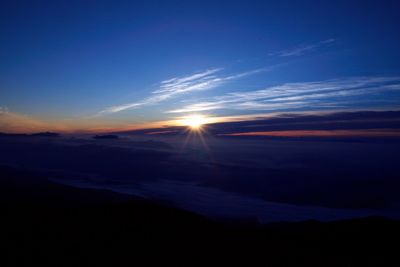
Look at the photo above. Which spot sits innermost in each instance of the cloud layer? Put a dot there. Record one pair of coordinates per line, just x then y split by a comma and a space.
354, 124
303, 49
172, 87
289, 96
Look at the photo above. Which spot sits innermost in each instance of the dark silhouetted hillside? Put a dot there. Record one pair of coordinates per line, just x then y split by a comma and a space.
44, 134
46, 224
107, 136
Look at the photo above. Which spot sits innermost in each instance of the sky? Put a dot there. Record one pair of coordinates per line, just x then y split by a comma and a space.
106, 65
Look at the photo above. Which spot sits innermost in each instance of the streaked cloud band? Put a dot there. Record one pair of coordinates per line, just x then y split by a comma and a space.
328, 93
178, 85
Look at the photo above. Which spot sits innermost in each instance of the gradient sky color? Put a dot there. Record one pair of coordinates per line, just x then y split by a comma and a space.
79, 65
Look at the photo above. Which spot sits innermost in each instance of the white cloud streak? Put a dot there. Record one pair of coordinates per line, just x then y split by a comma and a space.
303, 49
3, 110
170, 88
288, 96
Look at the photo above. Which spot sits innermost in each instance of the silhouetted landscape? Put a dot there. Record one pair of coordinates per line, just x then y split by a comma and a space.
79, 199
46, 224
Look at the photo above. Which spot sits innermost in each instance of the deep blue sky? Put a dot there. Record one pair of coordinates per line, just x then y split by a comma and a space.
106, 60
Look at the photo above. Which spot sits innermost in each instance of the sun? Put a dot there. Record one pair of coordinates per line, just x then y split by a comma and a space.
195, 122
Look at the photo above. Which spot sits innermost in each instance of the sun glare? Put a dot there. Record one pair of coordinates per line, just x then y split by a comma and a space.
195, 122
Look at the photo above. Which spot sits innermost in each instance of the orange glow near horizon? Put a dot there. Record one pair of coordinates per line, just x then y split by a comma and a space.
20, 123
196, 123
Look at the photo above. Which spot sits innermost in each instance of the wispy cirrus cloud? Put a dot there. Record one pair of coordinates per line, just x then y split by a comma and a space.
303, 49
320, 94
3, 110
169, 88
179, 85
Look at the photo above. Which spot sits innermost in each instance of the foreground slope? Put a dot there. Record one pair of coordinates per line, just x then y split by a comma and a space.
46, 224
